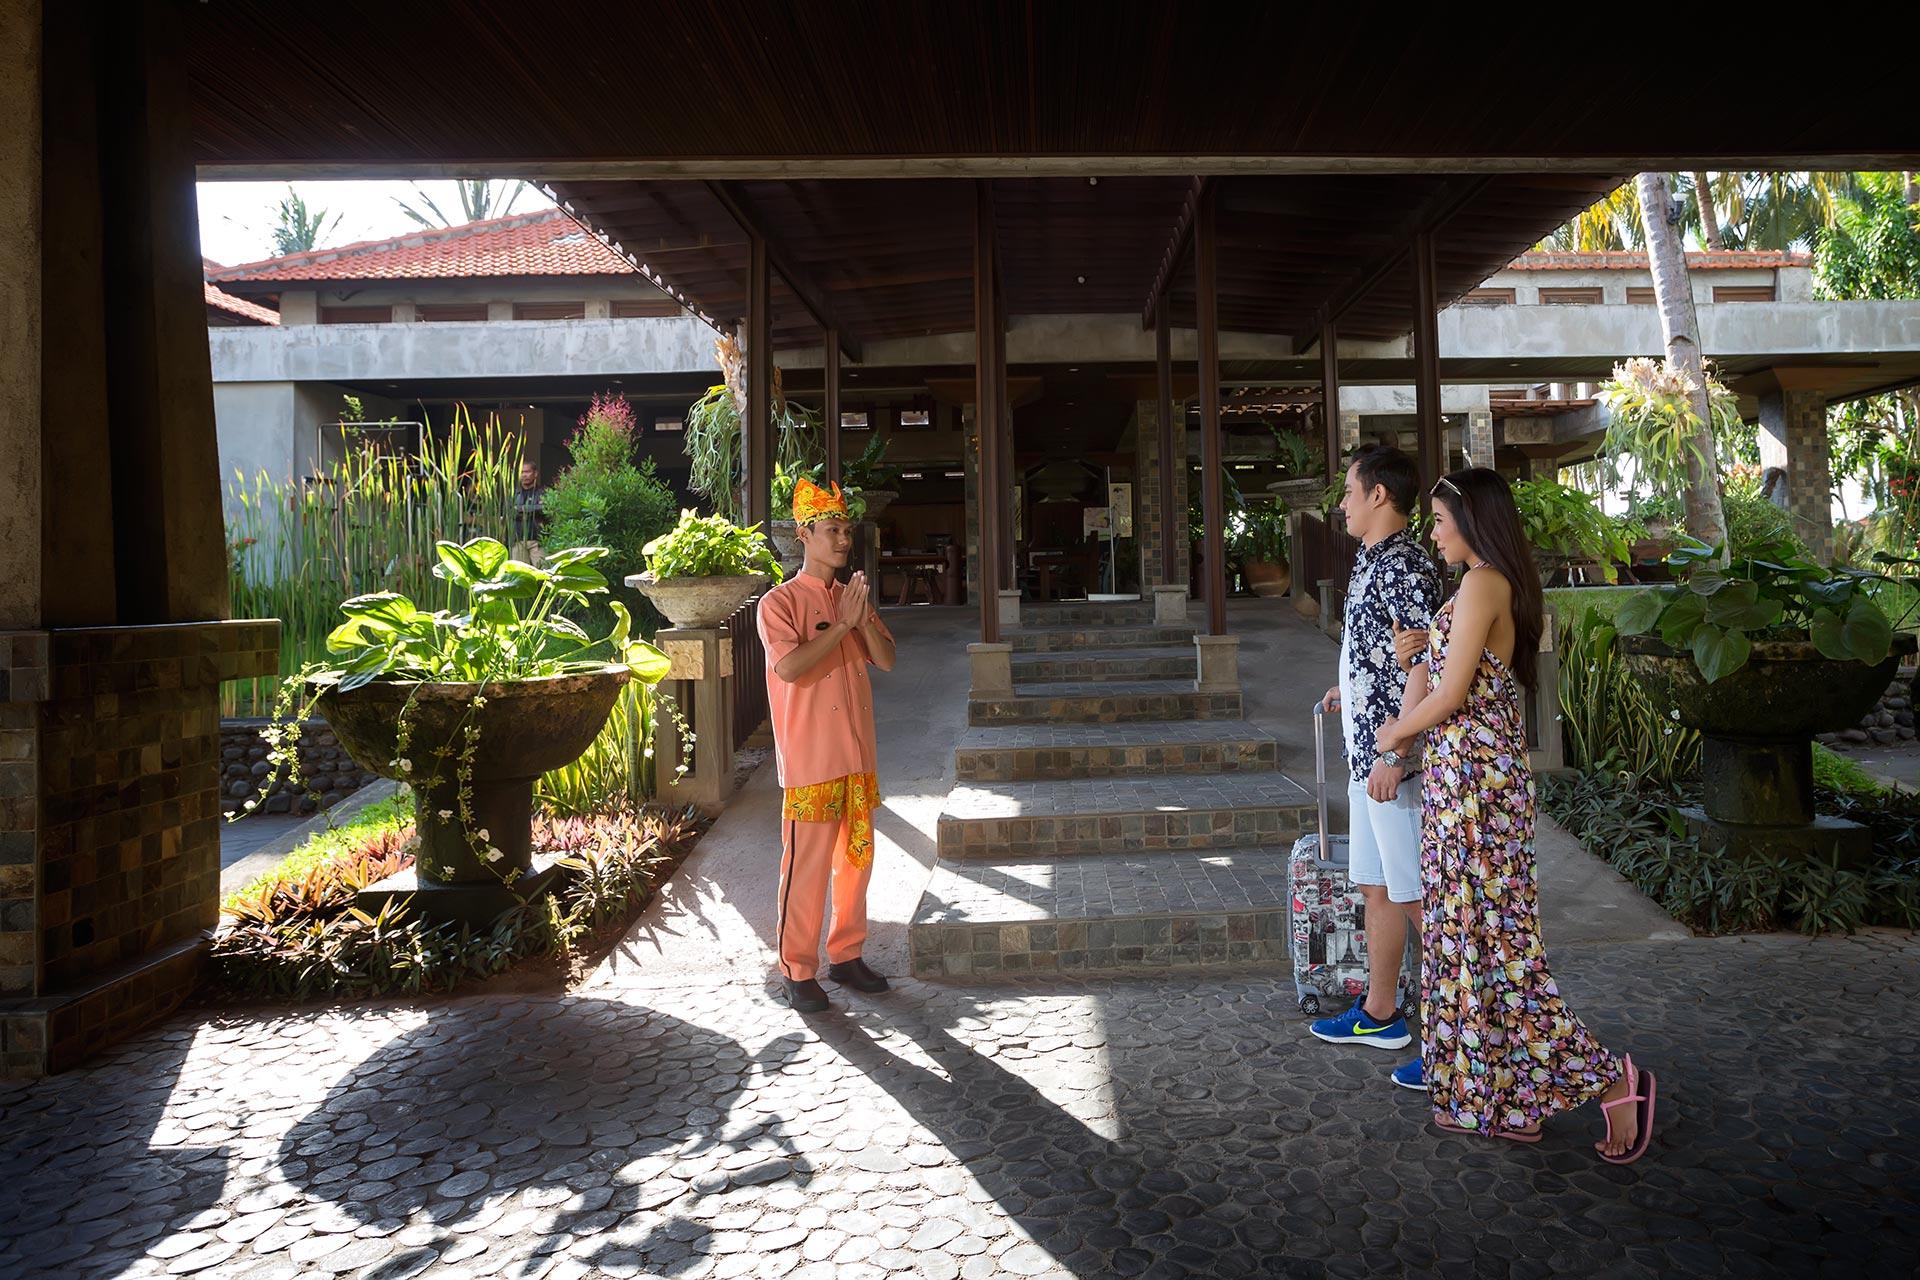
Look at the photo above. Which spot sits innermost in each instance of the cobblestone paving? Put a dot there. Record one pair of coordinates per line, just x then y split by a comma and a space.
1060, 1127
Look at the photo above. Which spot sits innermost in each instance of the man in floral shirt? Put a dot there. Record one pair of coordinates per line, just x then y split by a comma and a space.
1394, 586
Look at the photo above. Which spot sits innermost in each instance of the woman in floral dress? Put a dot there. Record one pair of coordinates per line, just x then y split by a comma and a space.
1502, 1050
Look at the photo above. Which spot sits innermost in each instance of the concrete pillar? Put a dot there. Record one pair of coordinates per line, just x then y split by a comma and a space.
1154, 525
1170, 603
990, 667
702, 659
1218, 663
1793, 436
1479, 440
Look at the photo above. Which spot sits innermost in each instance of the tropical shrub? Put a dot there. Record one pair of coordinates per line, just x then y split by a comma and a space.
292, 941
1559, 520
1608, 717
871, 471
603, 499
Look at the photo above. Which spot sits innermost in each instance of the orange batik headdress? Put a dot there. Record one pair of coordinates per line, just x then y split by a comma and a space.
811, 503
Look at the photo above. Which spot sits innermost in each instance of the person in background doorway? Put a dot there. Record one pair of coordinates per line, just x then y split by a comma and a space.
528, 516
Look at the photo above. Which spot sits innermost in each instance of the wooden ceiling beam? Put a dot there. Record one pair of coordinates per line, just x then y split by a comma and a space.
1176, 249
740, 207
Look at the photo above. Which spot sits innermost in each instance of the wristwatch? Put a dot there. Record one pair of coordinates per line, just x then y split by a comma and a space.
1393, 759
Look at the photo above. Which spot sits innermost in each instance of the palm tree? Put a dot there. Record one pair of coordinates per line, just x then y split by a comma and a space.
1703, 203
1673, 292
297, 228
1610, 223
480, 199
1784, 210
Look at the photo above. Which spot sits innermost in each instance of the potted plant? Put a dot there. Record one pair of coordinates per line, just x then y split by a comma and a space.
468, 705
1568, 531
877, 481
1303, 466
1260, 542
712, 436
785, 533
1759, 655
704, 568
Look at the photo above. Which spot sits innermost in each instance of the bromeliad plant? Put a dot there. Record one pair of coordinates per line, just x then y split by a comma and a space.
1717, 611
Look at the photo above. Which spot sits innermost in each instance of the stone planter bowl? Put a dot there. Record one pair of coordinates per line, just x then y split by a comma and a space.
1788, 689
526, 728
1299, 495
785, 536
878, 500
698, 602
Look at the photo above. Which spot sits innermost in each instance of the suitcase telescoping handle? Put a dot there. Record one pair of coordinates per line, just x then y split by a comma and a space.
1320, 773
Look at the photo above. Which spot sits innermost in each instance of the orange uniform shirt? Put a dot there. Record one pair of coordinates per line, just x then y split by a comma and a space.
822, 722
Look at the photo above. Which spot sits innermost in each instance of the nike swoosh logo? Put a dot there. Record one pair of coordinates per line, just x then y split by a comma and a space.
1363, 1031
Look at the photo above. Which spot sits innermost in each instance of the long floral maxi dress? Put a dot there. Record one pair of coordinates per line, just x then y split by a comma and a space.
1500, 1046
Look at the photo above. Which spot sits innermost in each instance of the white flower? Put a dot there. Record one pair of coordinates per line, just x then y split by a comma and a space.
447, 872
406, 765
446, 815
479, 700
484, 834
1668, 731
1675, 713
493, 854
249, 804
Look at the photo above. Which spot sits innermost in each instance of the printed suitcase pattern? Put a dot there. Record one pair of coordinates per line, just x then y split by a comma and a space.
1327, 916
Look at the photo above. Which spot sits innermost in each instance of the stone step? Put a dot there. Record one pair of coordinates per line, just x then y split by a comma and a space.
1138, 815
1064, 638
1086, 611
1104, 702
1164, 663
1028, 753
1113, 911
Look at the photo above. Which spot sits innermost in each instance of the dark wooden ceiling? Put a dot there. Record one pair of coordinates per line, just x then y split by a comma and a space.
502, 84
893, 259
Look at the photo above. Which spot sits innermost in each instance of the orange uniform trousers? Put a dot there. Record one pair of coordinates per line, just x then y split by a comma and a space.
813, 860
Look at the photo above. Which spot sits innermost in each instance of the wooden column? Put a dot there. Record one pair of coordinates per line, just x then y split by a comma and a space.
831, 412
986, 401
758, 452
1205, 264
1330, 397
1009, 472
1169, 458
1426, 360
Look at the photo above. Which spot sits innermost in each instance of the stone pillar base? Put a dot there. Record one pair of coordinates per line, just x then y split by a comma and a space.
1170, 604
702, 660
1219, 664
991, 666
1825, 839
1009, 608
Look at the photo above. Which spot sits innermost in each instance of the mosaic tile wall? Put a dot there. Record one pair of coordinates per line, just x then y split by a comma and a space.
1153, 523
118, 827
23, 686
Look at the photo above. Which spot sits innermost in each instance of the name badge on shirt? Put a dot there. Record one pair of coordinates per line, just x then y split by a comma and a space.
820, 626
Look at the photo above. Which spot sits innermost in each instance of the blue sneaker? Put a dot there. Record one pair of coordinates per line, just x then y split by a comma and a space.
1411, 1075
1355, 1027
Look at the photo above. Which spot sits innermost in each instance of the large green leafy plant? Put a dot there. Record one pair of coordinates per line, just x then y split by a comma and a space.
1563, 521
871, 471
712, 438
710, 547
1299, 458
1716, 612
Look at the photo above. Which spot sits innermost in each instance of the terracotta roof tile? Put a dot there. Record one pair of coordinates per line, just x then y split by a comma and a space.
1636, 260
548, 243
251, 312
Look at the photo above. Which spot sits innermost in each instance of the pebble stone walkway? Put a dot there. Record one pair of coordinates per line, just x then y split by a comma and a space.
1085, 1127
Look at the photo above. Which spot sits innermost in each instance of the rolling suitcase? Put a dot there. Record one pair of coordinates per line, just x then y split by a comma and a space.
1327, 917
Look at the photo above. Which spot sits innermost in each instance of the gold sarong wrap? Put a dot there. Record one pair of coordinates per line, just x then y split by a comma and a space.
853, 797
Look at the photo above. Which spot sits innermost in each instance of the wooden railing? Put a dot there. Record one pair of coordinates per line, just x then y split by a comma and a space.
749, 694
1322, 553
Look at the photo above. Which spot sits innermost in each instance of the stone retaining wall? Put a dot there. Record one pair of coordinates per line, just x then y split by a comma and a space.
1890, 721
330, 773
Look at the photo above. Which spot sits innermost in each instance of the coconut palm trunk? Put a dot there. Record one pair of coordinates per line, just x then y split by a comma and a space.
1673, 291
1709, 220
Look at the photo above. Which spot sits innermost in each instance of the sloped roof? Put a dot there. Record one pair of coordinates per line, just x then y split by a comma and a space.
1636, 260
244, 312
547, 243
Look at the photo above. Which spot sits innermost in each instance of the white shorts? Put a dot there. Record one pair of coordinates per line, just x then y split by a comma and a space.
1385, 839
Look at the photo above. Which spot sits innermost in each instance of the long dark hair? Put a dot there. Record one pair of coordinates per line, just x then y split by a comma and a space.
1480, 502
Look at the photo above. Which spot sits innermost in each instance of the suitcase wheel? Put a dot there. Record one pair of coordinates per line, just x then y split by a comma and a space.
1309, 1004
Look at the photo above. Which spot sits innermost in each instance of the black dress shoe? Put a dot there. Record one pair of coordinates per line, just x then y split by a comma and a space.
855, 973
806, 997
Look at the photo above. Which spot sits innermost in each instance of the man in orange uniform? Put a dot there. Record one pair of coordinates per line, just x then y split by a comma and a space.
820, 635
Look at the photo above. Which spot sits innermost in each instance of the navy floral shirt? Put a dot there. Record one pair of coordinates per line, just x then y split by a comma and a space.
1392, 579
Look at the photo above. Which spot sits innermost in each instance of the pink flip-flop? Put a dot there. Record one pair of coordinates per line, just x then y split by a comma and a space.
1640, 1089
1510, 1135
